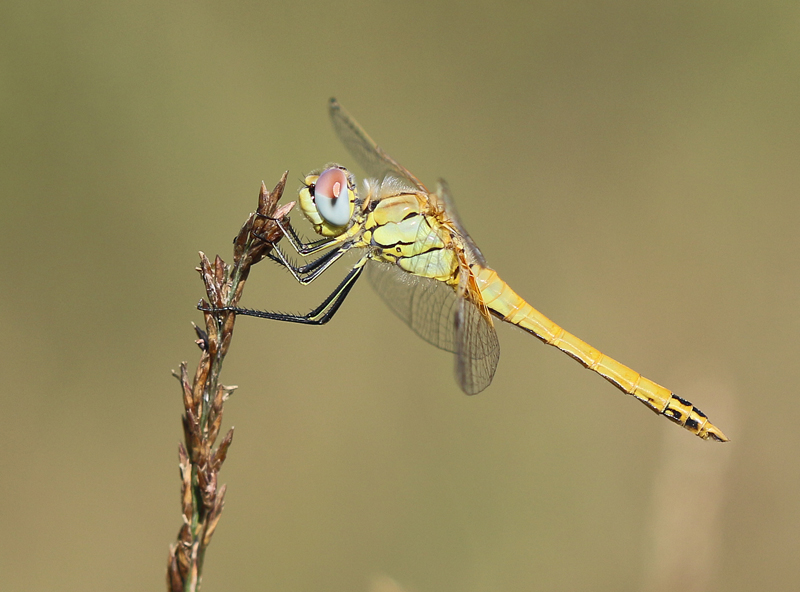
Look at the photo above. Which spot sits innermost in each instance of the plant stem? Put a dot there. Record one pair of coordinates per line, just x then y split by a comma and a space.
204, 396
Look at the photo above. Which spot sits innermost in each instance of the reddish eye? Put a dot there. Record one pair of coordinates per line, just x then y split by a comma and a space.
332, 196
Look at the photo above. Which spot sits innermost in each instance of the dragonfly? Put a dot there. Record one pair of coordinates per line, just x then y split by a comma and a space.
420, 259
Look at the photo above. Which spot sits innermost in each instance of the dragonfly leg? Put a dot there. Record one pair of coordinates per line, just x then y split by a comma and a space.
297, 243
319, 316
305, 274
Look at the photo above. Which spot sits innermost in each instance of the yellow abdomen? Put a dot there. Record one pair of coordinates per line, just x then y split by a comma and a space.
504, 302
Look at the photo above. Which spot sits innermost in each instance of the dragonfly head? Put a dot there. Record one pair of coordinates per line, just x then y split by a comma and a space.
328, 199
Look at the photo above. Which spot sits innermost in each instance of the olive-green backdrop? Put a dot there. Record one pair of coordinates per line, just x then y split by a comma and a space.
632, 168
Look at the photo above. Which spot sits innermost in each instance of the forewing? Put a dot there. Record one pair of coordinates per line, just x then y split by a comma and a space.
446, 202
371, 157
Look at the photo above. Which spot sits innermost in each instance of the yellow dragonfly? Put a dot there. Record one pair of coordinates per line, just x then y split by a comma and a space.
423, 263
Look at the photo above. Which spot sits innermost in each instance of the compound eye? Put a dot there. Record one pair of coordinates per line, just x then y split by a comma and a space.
332, 197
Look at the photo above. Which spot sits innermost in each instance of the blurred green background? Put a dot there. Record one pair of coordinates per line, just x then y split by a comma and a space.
631, 168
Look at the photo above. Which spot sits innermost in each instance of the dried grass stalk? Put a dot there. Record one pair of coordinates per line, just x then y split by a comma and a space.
202, 500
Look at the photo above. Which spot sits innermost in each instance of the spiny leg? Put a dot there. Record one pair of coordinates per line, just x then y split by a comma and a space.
319, 316
284, 261
305, 274
297, 243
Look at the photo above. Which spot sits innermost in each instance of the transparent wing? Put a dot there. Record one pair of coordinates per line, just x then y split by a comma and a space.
377, 163
445, 199
436, 312
478, 348
371, 157
426, 305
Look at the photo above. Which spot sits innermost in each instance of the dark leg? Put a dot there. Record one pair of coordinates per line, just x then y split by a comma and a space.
319, 316
305, 274
297, 243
